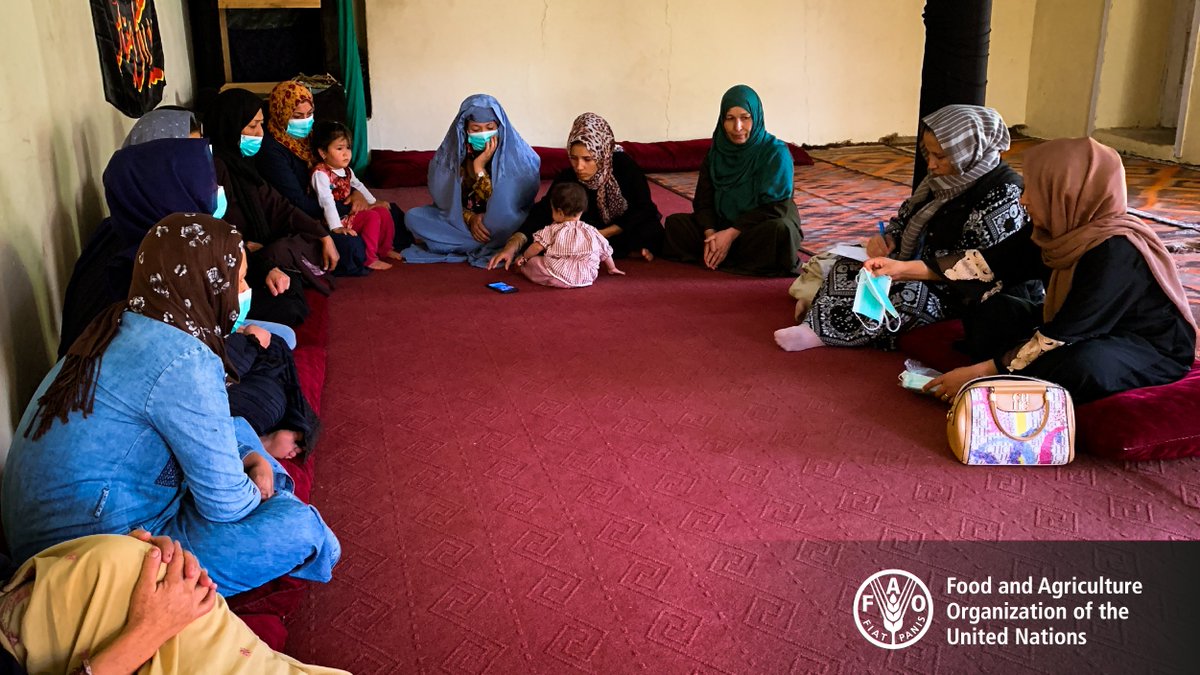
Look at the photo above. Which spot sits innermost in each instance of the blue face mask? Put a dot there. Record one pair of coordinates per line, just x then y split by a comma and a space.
300, 128
243, 308
250, 145
222, 203
872, 304
479, 139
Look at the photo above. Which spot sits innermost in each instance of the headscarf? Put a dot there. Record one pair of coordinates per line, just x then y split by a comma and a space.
596, 135
754, 173
285, 97
231, 111
159, 124
144, 183
185, 275
972, 137
1076, 196
515, 166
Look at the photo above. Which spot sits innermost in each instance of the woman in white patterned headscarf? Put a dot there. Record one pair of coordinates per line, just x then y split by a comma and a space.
968, 202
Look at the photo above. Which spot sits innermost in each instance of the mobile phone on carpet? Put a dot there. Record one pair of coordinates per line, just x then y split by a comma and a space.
501, 287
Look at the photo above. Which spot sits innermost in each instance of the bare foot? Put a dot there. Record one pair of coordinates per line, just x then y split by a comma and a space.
379, 265
395, 255
797, 338
644, 254
282, 444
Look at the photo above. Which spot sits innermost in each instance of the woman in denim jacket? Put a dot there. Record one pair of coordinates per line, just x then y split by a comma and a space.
131, 429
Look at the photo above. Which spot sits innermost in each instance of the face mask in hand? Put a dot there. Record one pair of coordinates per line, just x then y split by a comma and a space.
222, 203
872, 304
479, 139
243, 308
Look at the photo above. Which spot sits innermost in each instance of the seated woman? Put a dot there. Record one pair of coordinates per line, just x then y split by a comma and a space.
286, 246
968, 203
167, 121
483, 179
143, 184
116, 604
1115, 316
744, 220
286, 160
619, 203
132, 428
139, 182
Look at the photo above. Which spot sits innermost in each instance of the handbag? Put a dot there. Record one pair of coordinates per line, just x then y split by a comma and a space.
1012, 420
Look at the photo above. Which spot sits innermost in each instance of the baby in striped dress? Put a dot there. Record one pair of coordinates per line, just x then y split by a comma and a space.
573, 249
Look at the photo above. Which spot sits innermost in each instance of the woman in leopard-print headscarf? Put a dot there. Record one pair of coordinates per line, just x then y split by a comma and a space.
619, 202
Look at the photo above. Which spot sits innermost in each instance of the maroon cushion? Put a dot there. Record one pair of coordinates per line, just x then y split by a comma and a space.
1144, 424
933, 345
393, 169
553, 161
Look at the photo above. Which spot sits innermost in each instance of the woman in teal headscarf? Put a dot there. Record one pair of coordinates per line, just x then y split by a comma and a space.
744, 220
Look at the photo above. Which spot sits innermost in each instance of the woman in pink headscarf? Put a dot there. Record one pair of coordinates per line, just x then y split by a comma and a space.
1115, 316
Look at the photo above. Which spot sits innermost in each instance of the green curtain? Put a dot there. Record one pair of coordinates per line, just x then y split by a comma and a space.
356, 106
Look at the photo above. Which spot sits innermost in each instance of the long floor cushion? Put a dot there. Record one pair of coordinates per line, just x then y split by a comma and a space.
1140, 425
409, 168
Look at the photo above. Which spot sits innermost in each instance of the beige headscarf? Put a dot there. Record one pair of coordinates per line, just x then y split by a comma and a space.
1075, 193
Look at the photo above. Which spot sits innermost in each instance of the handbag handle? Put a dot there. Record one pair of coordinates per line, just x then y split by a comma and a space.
1000, 427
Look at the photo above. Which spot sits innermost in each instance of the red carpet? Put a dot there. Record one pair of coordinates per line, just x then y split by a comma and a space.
633, 478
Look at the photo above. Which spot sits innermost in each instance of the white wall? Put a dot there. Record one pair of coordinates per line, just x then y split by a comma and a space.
59, 133
1134, 63
827, 71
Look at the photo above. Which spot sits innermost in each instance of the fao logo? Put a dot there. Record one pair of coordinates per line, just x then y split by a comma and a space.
893, 609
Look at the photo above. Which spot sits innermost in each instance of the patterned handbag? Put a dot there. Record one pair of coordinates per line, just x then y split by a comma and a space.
1012, 420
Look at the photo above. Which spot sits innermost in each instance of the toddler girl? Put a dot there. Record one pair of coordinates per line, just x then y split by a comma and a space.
332, 182
573, 249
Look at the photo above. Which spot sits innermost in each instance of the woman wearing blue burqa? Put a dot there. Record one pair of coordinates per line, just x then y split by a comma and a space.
483, 180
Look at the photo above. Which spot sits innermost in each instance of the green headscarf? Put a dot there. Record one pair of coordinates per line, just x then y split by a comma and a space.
754, 173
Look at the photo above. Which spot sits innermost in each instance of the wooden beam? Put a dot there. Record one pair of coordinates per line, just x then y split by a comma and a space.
269, 4
225, 45
260, 88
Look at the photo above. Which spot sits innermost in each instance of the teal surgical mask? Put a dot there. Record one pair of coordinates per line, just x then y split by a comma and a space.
300, 128
250, 145
222, 203
872, 304
243, 308
479, 139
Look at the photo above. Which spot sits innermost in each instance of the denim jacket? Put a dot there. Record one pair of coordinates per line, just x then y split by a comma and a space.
160, 432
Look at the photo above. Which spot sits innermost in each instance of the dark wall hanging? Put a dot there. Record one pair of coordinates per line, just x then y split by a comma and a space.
131, 56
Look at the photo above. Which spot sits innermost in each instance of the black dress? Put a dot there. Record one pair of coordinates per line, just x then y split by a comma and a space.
986, 214
1116, 330
767, 246
641, 224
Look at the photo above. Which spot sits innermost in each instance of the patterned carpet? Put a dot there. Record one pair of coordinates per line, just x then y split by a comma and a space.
848, 189
632, 478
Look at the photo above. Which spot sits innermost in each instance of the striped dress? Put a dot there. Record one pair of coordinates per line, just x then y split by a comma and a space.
574, 251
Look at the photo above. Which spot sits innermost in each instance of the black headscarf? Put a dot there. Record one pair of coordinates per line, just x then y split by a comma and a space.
232, 110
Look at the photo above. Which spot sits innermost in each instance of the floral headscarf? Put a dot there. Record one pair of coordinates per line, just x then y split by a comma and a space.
285, 97
185, 274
